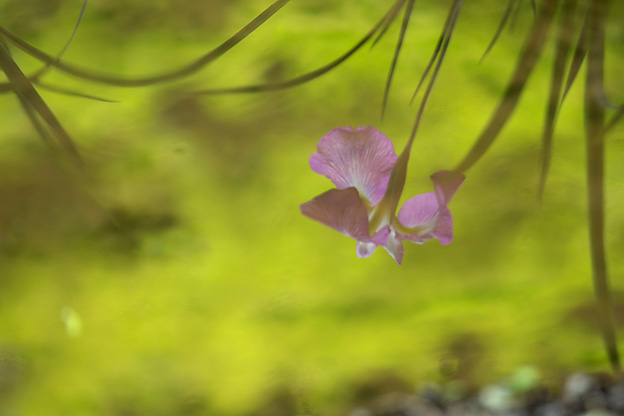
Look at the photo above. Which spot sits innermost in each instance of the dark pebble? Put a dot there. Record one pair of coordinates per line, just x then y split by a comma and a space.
615, 398
550, 409
582, 395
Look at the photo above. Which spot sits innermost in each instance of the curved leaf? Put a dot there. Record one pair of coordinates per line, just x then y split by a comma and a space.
43, 70
531, 52
397, 50
309, 76
615, 119
562, 48
387, 23
442, 44
511, 6
594, 122
167, 77
577, 59
33, 103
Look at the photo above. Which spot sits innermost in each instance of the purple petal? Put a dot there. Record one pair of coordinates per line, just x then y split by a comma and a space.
423, 211
367, 248
429, 212
419, 211
395, 248
445, 184
380, 236
362, 158
342, 210
443, 229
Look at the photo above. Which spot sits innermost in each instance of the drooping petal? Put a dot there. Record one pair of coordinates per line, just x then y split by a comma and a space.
420, 211
362, 158
395, 248
342, 210
445, 184
365, 249
380, 237
426, 218
443, 229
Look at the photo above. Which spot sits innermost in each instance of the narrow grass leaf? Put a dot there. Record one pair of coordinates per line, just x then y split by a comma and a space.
8, 87
529, 55
615, 119
31, 100
514, 16
65, 91
36, 122
594, 126
43, 70
389, 19
166, 77
398, 176
563, 45
577, 58
511, 4
309, 76
449, 25
406, 17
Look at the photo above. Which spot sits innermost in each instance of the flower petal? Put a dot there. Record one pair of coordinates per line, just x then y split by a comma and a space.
380, 237
365, 249
445, 184
362, 158
423, 211
395, 248
419, 211
443, 229
342, 210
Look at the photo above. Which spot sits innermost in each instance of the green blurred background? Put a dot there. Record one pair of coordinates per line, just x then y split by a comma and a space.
209, 293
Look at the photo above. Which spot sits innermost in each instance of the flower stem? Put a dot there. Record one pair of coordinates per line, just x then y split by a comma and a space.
594, 125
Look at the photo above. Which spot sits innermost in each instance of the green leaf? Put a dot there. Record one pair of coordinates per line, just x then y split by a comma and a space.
167, 77
562, 49
35, 106
511, 6
397, 50
309, 76
594, 122
532, 49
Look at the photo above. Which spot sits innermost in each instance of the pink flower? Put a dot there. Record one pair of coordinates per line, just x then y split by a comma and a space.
369, 178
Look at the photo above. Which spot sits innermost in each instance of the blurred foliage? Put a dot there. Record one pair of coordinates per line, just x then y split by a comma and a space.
198, 287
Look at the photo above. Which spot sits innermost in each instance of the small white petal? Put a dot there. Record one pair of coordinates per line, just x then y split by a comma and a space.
394, 247
365, 249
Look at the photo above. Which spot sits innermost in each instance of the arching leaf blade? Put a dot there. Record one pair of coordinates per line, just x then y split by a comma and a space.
577, 59
309, 76
562, 48
388, 20
594, 129
531, 51
31, 100
501, 25
144, 81
406, 17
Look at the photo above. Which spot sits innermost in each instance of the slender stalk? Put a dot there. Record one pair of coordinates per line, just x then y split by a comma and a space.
531, 51
390, 202
180, 73
595, 130
562, 47
34, 104
397, 51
